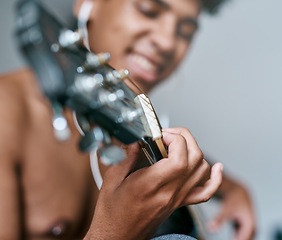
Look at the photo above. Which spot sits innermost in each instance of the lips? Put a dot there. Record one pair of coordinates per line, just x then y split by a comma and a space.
142, 67
144, 63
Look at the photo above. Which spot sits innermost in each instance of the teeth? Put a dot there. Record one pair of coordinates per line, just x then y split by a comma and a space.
144, 63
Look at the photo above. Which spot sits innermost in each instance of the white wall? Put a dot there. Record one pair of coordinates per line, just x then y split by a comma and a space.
9, 55
228, 93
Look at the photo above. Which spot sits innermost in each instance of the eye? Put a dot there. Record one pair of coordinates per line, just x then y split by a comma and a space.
186, 31
148, 8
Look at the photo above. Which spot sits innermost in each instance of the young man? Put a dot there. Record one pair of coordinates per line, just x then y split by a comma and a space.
150, 38
47, 189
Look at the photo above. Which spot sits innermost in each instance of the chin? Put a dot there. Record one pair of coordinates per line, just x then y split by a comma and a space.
144, 84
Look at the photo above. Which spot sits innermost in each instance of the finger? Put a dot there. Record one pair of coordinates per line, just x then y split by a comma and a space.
177, 162
205, 192
181, 131
185, 133
195, 155
194, 152
197, 178
204, 174
177, 145
168, 169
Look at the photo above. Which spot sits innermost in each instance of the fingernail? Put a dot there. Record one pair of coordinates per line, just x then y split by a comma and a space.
221, 167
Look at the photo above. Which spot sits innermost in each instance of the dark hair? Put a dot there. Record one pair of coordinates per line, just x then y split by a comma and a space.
212, 6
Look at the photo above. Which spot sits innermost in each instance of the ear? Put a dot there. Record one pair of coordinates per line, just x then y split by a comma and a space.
76, 6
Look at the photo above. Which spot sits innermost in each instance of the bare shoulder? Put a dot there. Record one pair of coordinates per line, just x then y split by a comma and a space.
12, 94
13, 126
13, 113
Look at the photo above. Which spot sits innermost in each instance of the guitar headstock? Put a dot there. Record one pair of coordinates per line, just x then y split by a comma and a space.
71, 76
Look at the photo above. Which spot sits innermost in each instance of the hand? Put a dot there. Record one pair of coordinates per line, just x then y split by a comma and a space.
237, 207
133, 205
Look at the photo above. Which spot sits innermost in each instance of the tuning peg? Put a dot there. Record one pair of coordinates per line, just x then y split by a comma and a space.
101, 140
111, 154
86, 83
109, 98
116, 76
129, 115
96, 60
93, 139
67, 38
122, 74
93, 61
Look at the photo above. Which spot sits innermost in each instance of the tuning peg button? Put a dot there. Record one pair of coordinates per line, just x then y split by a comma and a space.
87, 83
117, 76
60, 124
68, 38
61, 130
122, 74
129, 115
109, 98
92, 139
111, 154
96, 60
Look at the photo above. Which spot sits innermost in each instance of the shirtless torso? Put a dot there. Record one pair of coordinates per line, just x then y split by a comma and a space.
52, 180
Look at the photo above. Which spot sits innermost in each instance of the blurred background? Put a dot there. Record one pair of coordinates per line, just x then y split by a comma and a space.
227, 92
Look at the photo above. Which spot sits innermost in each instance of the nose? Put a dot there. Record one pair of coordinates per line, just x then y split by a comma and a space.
164, 36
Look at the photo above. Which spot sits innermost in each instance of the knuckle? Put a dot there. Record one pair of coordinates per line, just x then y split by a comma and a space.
206, 170
206, 166
199, 154
184, 130
180, 139
180, 165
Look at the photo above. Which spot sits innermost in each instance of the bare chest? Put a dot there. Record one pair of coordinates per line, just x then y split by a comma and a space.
58, 191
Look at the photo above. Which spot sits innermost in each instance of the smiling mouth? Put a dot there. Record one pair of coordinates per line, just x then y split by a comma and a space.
144, 63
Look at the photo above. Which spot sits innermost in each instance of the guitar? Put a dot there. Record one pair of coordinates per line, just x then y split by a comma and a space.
105, 102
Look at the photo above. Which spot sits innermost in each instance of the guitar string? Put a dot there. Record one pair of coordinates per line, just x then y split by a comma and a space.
152, 114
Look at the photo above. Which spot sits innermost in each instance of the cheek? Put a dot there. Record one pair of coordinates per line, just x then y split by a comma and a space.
115, 31
113, 38
180, 52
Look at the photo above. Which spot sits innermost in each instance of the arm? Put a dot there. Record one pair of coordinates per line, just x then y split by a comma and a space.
133, 205
237, 207
10, 118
